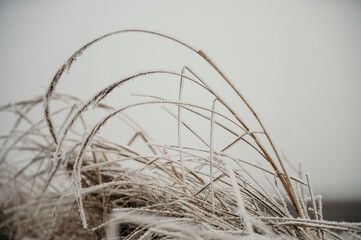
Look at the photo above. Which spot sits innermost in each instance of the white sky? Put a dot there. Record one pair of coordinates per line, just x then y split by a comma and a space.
297, 62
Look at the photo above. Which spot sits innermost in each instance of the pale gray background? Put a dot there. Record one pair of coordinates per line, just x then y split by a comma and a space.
297, 62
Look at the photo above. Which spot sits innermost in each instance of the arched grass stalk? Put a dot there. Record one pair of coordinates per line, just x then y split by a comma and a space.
285, 181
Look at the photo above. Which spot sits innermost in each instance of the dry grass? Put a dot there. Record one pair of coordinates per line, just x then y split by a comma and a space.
76, 184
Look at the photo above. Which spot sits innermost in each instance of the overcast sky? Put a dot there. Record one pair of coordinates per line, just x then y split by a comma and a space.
297, 62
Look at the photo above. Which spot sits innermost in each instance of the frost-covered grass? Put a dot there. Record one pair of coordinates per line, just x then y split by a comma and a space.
61, 178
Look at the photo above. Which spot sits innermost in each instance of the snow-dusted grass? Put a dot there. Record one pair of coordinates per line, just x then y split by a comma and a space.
66, 180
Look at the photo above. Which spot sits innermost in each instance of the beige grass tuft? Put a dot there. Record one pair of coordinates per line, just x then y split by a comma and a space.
62, 181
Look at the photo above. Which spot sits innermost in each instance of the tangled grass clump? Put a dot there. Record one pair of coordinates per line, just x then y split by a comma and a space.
75, 183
